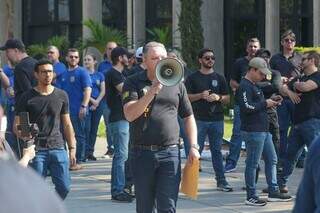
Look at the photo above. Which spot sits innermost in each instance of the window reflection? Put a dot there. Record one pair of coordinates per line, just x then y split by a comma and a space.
64, 14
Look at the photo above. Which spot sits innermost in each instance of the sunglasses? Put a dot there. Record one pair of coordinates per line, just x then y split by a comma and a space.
289, 40
73, 56
207, 58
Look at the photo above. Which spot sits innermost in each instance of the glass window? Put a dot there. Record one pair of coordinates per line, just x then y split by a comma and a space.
114, 14
64, 14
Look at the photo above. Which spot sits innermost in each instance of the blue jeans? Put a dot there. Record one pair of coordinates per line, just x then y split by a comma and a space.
257, 144
92, 124
119, 132
80, 133
157, 177
301, 134
236, 139
106, 113
214, 130
285, 118
183, 135
55, 160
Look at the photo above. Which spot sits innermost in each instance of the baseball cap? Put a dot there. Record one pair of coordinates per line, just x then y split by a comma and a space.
260, 64
139, 52
12, 44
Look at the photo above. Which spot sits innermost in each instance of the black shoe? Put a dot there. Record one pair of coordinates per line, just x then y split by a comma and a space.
255, 202
265, 190
300, 164
91, 157
279, 197
224, 186
122, 198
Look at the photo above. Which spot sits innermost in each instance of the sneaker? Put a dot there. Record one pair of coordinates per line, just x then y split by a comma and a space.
75, 167
129, 191
279, 197
229, 168
224, 186
122, 198
283, 189
300, 164
265, 190
91, 157
255, 202
109, 153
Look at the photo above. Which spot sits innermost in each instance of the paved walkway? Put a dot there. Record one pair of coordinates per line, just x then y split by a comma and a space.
91, 191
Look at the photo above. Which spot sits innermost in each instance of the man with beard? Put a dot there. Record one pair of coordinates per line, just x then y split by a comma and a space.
207, 91
118, 126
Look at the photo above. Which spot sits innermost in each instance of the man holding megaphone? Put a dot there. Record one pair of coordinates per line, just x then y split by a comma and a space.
152, 109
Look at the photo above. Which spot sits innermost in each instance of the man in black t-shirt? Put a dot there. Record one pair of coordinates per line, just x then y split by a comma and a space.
239, 70
48, 107
207, 91
152, 110
118, 125
24, 65
304, 92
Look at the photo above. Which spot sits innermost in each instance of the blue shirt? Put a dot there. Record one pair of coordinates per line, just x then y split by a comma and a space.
96, 78
58, 68
74, 82
9, 91
308, 196
104, 67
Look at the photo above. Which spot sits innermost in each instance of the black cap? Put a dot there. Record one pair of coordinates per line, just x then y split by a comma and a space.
12, 44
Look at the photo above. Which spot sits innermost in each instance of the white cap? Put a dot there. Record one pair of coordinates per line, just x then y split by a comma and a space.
139, 52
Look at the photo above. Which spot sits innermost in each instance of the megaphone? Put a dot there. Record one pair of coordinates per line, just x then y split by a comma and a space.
169, 71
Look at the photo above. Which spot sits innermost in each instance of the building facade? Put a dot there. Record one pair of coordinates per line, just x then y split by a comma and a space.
227, 24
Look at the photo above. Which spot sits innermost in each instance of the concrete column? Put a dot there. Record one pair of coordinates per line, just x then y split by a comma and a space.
272, 25
130, 23
316, 23
139, 23
91, 9
176, 35
212, 24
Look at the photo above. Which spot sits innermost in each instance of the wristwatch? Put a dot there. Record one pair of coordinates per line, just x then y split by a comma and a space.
196, 146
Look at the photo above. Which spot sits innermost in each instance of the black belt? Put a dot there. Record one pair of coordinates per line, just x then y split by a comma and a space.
153, 147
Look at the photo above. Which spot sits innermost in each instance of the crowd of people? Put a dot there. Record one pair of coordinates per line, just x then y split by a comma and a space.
144, 119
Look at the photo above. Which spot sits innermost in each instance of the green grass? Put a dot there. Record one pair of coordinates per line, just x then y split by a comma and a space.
227, 128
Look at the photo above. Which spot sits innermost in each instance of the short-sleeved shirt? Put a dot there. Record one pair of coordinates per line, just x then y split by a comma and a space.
158, 125
309, 107
74, 82
24, 78
45, 111
253, 107
135, 69
113, 96
59, 68
286, 66
240, 68
104, 67
216, 83
96, 78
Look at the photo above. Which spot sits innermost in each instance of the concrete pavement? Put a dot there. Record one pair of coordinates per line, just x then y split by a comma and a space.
91, 190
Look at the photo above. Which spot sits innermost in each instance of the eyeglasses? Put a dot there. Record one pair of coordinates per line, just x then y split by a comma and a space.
289, 40
73, 56
207, 58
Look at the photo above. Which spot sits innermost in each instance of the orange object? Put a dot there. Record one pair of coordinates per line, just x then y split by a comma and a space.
190, 177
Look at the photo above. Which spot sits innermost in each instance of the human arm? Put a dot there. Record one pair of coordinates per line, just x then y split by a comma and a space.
85, 102
191, 131
70, 137
4, 79
102, 93
294, 97
28, 154
306, 86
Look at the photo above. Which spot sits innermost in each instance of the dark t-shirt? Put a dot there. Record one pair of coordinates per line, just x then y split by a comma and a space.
135, 69
216, 83
253, 107
286, 67
240, 68
45, 111
270, 86
24, 78
309, 107
159, 125
113, 96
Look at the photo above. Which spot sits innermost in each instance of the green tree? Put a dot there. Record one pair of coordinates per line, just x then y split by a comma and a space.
191, 31
162, 35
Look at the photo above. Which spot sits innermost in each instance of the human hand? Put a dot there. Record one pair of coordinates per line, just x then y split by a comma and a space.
271, 103
277, 98
72, 156
155, 87
213, 97
205, 94
29, 153
294, 97
82, 112
193, 155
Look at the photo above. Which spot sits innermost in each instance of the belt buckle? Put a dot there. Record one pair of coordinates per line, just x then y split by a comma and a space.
154, 148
